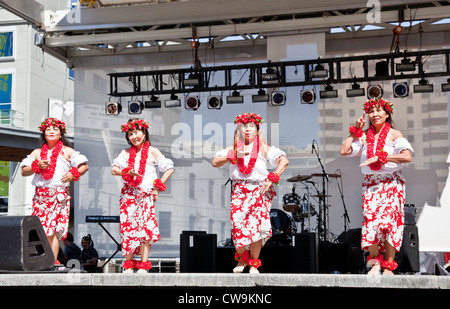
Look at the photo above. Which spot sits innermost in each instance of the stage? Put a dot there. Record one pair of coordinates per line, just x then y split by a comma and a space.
55, 279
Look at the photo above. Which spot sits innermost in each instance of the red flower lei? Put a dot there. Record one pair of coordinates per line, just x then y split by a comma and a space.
380, 144
254, 155
49, 171
135, 181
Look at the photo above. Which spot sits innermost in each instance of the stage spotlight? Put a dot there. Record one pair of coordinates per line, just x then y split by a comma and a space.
374, 92
308, 96
356, 91
260, 97
135, 107
423, 86
401, 90
278, 98
319, 72
446, 87
113, 108
192, 102
235, 98
382, 68
153, 103
215, 102
328, 93
405, 66
270, 75
173, 101
193, 80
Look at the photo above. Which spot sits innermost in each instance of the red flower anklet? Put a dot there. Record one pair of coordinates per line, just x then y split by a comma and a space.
256, 263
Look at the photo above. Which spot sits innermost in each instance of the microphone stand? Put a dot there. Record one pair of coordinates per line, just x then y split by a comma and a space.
324, 175
345, 215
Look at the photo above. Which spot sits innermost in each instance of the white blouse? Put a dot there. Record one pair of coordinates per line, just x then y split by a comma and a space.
161, 164
260, 171
399, 145
62, 167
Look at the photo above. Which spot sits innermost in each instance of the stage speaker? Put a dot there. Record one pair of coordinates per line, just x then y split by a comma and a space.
24, 245
305, 253
408, 257
198, 252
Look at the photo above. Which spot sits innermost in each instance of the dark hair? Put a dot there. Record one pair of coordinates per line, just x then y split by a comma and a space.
63, 139
145, 131
89, 239
69, 237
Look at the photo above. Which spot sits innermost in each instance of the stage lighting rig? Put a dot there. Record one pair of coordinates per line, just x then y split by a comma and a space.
446, 87
192, 102
153, 103
173, 101
356, 91
278, 98
135, 107
406, 65
423, 86
235, 97
328, 93
260, 97
319, 72
113, 108
400, 90
307, 96
215, 102
374, 92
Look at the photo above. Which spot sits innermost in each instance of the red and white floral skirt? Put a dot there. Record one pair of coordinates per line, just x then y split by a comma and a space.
250, 213
383, 210
52, 207
137, 219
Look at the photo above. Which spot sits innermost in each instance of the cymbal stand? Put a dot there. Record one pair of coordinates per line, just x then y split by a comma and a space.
322, 210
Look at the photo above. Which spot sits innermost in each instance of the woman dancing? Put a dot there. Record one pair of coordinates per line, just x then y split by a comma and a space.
138, 166
253, 190
54, 166
383, 151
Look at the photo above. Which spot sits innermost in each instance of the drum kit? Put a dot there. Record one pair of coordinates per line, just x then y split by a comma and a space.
302, 208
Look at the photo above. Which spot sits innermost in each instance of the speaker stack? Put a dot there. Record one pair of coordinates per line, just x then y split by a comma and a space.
408, 257
24, 245
198, 252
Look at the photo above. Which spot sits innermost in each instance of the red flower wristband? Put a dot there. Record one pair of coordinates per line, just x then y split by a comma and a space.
75, 173
355, 131
273, 177
157, 183
382, 156
35, 166
231, 156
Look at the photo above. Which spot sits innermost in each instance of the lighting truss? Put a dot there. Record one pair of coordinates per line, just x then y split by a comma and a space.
198, 77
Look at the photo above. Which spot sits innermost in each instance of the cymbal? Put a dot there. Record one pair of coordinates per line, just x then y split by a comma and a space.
320, 195
299, 178
329, 175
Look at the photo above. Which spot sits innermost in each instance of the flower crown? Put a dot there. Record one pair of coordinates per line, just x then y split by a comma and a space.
135, 124
52, 122
249, 117
386, 105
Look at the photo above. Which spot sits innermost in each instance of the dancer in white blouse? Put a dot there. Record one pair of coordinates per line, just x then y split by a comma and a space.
139, 166
383, 151
253, 190
54, 165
